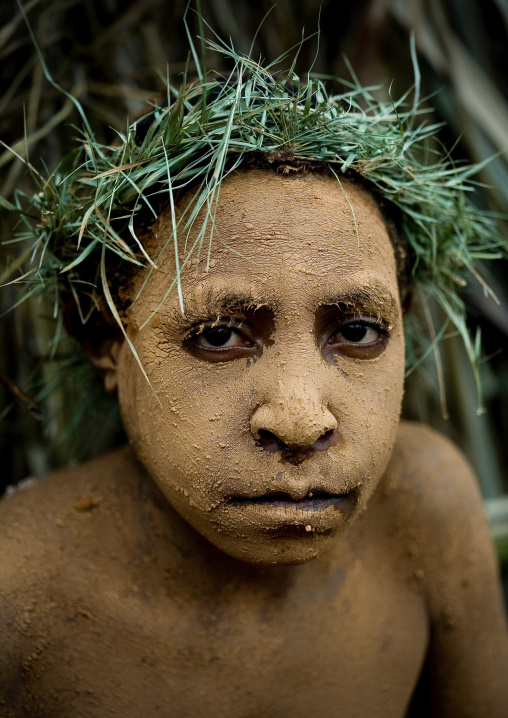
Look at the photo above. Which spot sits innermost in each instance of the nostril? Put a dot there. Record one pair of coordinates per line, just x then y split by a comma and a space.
294, 454
329, 438
270, 442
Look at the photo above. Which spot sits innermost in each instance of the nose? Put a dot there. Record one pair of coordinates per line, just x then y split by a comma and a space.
294, 424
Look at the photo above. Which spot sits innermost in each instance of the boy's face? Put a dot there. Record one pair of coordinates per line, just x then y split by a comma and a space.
275, 399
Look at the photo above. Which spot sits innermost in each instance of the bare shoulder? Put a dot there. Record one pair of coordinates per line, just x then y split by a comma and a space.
439, 505
50, 536
69, 514
441, 521
43, 516
422, 454
433, 481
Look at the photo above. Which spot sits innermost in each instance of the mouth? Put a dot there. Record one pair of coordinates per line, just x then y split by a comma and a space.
315, 501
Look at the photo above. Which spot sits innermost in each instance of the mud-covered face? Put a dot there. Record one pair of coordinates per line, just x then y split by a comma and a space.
275, 399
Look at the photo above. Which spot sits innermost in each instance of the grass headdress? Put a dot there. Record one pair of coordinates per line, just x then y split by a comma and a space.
87, 211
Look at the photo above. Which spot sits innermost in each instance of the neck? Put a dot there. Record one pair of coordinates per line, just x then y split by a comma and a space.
178, 549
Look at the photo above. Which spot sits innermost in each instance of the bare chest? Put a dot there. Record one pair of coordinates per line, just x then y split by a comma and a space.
351, 646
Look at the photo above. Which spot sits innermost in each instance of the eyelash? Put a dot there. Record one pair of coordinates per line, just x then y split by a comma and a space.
380, 325
218, 322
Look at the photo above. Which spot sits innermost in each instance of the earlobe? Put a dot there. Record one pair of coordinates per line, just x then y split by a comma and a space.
105, 358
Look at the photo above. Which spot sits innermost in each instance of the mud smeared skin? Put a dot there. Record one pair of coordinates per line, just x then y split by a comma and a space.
175, 577
291, 273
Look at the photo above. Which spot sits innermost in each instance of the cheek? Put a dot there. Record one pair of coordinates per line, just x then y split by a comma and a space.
373, 404
182, 424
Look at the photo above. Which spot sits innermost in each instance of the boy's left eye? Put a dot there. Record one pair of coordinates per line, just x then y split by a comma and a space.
358, 333
359, 339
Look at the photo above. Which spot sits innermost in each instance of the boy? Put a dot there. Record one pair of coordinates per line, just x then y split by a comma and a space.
273, 541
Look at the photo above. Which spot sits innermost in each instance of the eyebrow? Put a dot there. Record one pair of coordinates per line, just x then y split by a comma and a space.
215, 301
372, 295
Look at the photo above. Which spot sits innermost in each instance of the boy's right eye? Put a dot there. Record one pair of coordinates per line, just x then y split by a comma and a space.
218, 337
219, 343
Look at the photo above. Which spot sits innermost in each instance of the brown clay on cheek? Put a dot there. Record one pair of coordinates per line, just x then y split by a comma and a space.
202, 440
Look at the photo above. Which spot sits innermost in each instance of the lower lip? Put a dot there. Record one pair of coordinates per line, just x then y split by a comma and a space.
279, 516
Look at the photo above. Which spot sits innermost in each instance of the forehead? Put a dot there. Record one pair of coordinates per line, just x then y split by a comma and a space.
312, 234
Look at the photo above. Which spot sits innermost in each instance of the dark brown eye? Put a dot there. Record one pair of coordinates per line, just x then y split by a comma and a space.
218, 337
359, 333
219, 343
359, 340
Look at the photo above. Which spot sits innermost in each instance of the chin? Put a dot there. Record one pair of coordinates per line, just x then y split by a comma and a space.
278, 550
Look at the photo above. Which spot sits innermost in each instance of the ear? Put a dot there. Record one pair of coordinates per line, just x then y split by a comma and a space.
101, 338
104, 356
